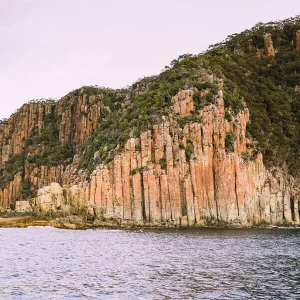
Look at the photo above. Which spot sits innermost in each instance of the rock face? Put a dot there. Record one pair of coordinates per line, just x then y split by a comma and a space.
168, 176
78, 117
9, 194
49, 198
268, 50
297, 40
23, 206
18, 128
183, 176
210, 186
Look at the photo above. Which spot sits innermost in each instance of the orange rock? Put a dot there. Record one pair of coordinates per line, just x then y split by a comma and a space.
209, 186
214, 185
297, 40
78, 117
269, 49
18, 128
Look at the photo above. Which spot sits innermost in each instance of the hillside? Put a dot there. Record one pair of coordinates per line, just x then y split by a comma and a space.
213, 138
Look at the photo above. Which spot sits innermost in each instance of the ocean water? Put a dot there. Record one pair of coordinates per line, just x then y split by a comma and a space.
48, 263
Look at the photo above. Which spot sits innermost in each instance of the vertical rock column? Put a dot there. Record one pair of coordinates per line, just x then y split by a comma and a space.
269, 49
297, 40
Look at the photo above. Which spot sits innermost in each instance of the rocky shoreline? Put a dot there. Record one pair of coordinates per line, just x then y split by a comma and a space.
81, 223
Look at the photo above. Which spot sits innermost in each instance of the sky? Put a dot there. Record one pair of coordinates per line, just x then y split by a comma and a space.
51, 47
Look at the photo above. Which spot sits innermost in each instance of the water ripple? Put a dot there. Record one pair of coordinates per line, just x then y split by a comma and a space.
47, 263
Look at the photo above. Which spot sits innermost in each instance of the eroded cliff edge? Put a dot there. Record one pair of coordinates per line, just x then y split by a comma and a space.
195, 174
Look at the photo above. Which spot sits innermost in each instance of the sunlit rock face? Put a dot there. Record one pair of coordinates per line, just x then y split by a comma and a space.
211, 186
77, 118
158, 181
19, 127
268, 50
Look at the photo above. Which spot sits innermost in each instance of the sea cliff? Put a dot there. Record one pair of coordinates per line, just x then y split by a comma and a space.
213, 140
176, 175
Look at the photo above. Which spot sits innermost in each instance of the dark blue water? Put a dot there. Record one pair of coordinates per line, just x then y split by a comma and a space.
48, 263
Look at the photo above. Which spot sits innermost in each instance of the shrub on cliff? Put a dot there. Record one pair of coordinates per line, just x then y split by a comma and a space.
12, 167
229, 142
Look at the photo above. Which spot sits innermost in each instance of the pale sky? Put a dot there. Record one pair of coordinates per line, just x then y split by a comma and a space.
50, 47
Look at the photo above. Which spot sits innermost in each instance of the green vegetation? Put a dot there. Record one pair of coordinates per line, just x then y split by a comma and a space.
245, 156
189, 150
50, 151
229, 142
111, 98
266, 86
138, 170
163, 163
12, 167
